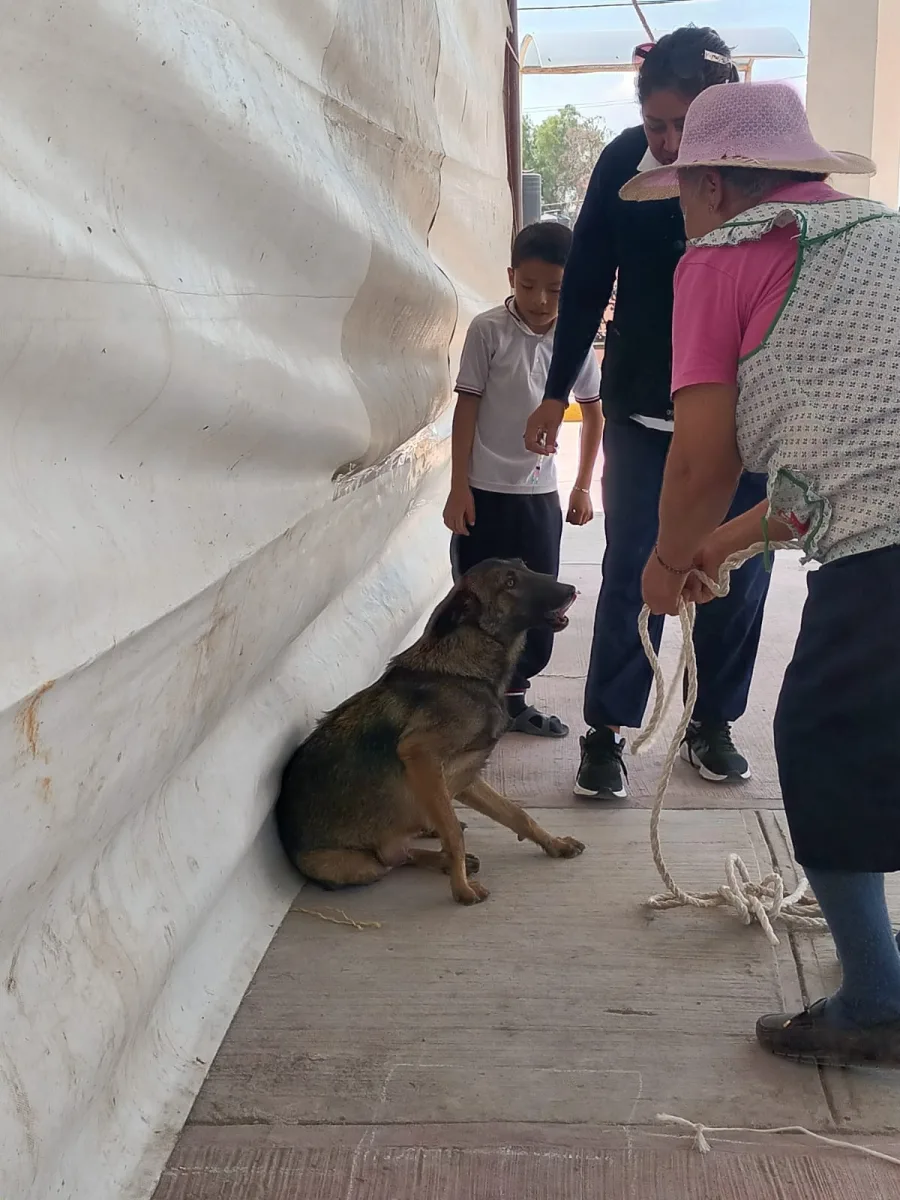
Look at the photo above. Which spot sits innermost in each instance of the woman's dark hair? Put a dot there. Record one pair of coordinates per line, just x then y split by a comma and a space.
687, 61
757, 182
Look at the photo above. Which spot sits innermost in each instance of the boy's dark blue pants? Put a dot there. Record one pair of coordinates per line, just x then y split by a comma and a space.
515, 526
726, 636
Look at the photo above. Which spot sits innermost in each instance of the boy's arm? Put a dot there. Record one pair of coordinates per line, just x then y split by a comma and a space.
581, 508
465, 419
474, 367
587, 392
459, 511
589, 446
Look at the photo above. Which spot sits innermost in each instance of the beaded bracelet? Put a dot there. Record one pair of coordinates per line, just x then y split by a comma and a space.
672, 570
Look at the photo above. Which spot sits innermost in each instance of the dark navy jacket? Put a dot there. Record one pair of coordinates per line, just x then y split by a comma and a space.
642, 243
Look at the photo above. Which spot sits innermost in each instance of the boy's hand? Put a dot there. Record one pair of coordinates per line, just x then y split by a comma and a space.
580, 509
459, 511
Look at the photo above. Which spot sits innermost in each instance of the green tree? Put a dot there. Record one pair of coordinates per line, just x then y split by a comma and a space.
527, 143
562, 149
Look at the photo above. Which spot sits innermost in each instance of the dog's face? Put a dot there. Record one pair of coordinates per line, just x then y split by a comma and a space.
505, 599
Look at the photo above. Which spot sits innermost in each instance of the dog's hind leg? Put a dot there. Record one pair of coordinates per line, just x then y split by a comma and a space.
341, 868
482, 797
433, 833
437, 860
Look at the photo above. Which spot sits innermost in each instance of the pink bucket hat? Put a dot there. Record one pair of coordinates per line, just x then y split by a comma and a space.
746, 125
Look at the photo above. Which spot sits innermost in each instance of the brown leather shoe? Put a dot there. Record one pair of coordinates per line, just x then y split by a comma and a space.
809, 1038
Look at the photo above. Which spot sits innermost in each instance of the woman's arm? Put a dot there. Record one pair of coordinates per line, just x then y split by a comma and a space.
702, 471
746, 530
587, 281
703, 466
586, 289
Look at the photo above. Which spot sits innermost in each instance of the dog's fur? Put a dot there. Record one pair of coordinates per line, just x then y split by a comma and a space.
385, 767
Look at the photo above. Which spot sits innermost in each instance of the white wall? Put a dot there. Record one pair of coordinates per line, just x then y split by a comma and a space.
236, 243
853, 87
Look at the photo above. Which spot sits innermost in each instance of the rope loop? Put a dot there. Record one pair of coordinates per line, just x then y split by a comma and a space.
762, 901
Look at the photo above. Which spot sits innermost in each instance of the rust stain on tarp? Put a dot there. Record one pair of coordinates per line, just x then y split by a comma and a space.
28, 722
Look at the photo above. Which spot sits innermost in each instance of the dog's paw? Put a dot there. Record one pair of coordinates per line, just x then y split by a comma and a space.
475, 893
565, 847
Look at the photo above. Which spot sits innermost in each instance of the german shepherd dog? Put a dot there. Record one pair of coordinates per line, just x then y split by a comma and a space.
385, 766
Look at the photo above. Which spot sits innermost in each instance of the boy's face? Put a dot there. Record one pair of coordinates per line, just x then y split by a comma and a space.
536, 286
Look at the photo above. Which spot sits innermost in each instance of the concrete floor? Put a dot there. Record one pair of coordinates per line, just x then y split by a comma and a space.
525, 1048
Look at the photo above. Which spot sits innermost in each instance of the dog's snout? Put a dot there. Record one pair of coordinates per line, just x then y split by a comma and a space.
569, 593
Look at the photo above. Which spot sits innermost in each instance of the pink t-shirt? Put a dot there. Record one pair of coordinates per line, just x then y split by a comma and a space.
727, 297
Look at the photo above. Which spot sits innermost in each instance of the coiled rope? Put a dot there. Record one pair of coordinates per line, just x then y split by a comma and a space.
764, 901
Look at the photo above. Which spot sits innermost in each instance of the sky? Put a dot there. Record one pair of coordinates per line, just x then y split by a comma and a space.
612, 96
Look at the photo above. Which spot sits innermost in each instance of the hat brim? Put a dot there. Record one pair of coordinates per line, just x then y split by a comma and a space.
661, 183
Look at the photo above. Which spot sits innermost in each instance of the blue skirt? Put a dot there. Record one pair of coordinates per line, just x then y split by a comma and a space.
837, 726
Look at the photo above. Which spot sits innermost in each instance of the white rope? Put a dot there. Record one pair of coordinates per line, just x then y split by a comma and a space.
700, 1131
764, 901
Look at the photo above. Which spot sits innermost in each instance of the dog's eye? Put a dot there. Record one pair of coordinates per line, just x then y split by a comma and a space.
510, 580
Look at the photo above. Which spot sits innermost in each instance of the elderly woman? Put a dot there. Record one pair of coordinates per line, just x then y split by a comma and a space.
786, 359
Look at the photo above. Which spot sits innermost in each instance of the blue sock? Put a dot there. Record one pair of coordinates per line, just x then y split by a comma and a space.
854, 906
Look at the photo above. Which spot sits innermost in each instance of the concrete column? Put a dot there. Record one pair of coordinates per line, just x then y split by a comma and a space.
853, 87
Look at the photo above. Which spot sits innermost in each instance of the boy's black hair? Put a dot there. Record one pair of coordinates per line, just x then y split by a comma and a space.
685, 61
547, 241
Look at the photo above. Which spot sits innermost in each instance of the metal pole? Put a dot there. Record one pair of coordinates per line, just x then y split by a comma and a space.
643, 20
512, 105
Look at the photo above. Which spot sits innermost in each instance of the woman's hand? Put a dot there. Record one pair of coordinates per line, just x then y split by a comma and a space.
662, 589
542, 430
581, 509
708, 560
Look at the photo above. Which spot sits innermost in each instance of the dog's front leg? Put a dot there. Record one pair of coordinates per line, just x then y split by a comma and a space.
484, 799
422, 763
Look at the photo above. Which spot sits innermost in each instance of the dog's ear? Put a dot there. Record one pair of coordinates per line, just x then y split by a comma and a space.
462, 607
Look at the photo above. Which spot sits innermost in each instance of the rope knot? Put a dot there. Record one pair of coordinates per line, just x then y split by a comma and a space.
698, 1130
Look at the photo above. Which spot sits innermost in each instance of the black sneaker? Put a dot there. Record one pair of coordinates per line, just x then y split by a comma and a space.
602, 773
710, 749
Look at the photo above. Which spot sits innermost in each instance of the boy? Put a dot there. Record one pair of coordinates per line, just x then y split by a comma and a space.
504, 501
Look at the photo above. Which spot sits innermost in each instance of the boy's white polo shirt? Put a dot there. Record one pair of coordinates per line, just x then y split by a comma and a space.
505, 364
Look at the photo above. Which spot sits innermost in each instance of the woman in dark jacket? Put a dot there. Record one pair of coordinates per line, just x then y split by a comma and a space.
638, 246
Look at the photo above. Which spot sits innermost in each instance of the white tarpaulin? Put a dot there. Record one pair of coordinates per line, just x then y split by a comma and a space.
239, 243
